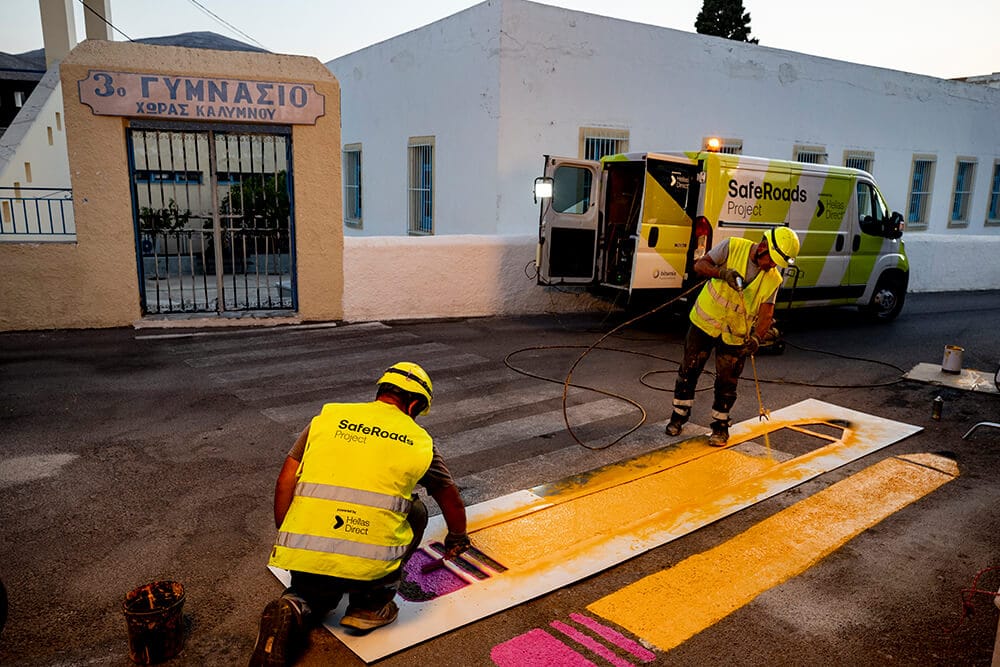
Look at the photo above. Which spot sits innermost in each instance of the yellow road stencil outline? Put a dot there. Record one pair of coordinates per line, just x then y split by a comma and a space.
669, 607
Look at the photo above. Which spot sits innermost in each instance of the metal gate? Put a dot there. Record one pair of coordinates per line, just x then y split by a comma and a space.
213, 213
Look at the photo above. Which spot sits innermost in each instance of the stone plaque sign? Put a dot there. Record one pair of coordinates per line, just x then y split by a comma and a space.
141, 95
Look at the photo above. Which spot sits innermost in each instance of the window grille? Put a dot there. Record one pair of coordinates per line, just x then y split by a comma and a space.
920, 191
352, 185
965, 173
993, 213
863, 160
600, 142
811, 154
421, 185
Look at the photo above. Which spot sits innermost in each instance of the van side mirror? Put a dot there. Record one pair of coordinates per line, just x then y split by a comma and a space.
893, 226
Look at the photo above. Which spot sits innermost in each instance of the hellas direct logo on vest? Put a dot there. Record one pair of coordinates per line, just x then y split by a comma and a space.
351, 524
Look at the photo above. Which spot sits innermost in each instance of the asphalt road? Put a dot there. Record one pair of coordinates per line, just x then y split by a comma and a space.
133, 456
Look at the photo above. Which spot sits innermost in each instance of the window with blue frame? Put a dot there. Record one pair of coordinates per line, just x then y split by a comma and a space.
965, 174
920, 191
352, 185
421, 185
993, 212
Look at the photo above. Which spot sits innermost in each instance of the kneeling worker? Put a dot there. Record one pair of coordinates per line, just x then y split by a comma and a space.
732, 314
347, 516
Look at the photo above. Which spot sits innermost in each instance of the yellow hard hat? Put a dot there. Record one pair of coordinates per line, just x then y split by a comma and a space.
783, 245
410, 377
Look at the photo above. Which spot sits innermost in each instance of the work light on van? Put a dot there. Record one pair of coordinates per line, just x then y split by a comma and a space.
543, 188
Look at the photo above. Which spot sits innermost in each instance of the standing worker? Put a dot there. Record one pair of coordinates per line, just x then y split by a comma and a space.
346, 514
732, 314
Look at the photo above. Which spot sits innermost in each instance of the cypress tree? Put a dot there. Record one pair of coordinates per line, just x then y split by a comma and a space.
724, 18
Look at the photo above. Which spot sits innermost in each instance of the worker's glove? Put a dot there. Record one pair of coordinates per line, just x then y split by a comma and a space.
456, 543
750, 346
732, 277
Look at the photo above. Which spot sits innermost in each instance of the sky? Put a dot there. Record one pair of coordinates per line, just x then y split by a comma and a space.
947, 40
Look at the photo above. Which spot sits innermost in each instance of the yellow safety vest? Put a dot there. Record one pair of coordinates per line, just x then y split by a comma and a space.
722, 311
355, 487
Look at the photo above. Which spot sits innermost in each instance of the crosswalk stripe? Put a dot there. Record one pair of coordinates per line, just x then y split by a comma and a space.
368, 365
671, 606
443, 410
468, 409
270, 352
476, 439
328, 365
211, 341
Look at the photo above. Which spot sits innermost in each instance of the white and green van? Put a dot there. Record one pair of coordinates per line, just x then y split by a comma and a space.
635, 223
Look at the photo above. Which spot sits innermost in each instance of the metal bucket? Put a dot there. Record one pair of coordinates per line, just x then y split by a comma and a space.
154, 621
952, 361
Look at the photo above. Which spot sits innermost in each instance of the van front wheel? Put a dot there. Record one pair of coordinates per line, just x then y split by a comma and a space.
887, 300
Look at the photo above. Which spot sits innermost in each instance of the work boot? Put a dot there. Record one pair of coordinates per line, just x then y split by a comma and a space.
677, 421
280, 636
369, 619
720, 433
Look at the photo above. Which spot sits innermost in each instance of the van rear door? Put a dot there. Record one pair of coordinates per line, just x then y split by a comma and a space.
567, 231
663, 244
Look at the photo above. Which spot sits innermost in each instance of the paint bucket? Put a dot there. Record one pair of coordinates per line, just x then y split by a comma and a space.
154, 621
952, 361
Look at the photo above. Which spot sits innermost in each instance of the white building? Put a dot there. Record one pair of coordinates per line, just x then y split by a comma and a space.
449, 122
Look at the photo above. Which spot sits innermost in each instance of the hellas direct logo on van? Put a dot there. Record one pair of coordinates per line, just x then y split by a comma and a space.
752, 194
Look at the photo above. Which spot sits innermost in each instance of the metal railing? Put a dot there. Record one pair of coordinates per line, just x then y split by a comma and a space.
36, 214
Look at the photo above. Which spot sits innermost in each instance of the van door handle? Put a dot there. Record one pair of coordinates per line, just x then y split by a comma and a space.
840, 242
857, 242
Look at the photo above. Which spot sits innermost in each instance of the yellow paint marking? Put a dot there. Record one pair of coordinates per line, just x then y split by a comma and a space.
822, 436
563, 529
669, 607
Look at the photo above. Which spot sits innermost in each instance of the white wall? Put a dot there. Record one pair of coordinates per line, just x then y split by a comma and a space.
393, 277
533, 74
562, 70
440, 80
948, 262
398, 277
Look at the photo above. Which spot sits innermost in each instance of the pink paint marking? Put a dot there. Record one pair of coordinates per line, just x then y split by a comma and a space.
615, 637
428, 585
592, 644
536, 648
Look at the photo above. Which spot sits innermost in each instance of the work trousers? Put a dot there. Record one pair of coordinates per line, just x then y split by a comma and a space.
698, 345
317, 594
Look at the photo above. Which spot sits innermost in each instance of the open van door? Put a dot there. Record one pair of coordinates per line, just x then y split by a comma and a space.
567, 226
663, 238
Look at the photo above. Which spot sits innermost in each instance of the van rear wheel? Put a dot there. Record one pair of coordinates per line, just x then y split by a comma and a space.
887, 300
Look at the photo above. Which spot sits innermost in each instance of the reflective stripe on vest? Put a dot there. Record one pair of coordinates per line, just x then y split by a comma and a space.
355, 485
335, 545
721, 311
357, 496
